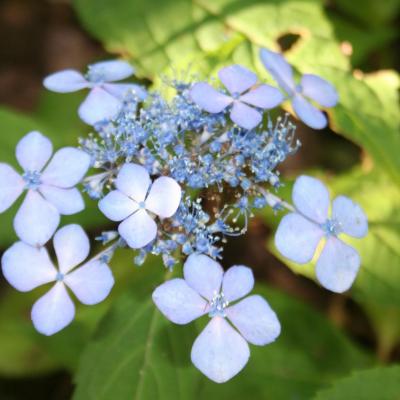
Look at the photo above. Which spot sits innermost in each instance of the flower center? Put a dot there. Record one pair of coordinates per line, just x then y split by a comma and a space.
95, 75
59, 277
32, 179
235, 95
332, 227
218, 305
299, 88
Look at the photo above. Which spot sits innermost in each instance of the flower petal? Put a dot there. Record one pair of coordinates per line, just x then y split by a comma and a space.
319, 90
67, 201
65, 81
120, 90
203, 274
99, 105
244, 116
238, 282
72, 247
138, 230
111, 70
134, 181
116, 206
351, 217
237, 79
279, 68
67, 168
219, 352
311, 198
297, 238
33, 151
53, 311
36, 220
164, 197
264, 96
179, 302
337, 266
209, 99
26, 267
255, 319
307, 113
11, 186
91, 283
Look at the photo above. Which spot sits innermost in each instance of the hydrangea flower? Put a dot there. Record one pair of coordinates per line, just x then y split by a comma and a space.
50, 188
220, 351
105, 99
300, 232
243, 98
311, 87
26, 267
135, 198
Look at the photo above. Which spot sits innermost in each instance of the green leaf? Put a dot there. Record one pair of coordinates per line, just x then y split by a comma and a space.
137, 353
378, 280
381, 383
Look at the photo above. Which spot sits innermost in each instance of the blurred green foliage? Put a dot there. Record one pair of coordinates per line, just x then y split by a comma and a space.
134, 351
378, 383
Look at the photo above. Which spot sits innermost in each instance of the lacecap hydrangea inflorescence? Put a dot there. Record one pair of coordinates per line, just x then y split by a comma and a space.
178, 176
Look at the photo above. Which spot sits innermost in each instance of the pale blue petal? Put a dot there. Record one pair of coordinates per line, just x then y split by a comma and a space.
67, 168
33, 151
179, 302
350, 216
116, 206
297, 238
67, 201
263, 96
65, 81
307, 113
238, 281
91, 283
164, 197
279, 68
26, 267
111, 70
138, 230
99, 105
209, 99
120, 90
219, 352
255, 320
134, 181
244, 116
311, 198
11, 186
337, 265
72, 247
203, 274
53, 311
319, 90
237, 79
36, 220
